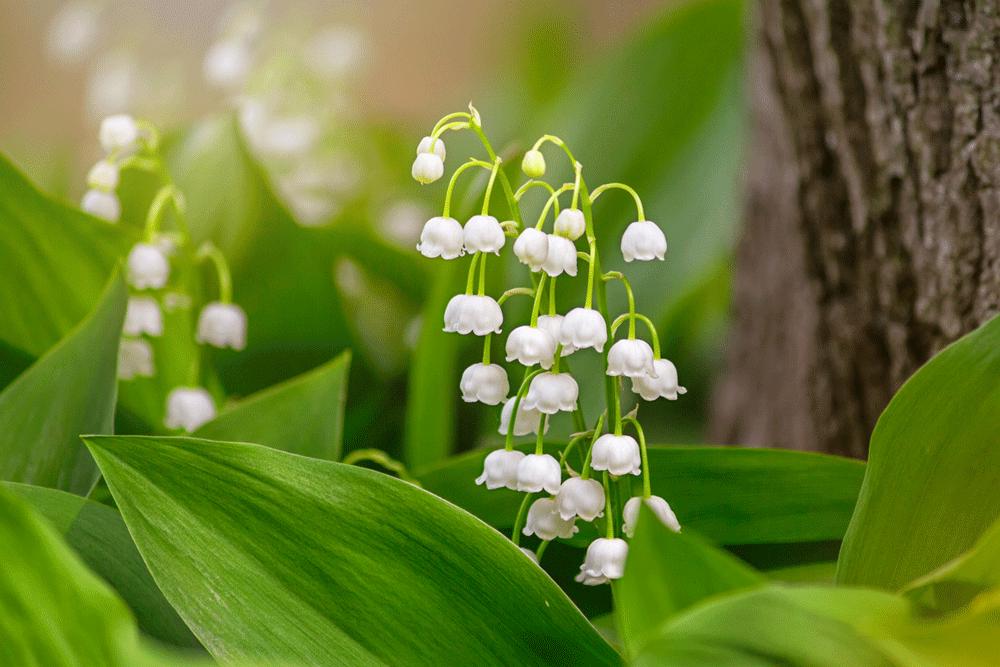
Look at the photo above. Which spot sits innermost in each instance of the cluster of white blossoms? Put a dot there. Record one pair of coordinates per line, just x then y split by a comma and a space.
154, 286
543, 344
120, 136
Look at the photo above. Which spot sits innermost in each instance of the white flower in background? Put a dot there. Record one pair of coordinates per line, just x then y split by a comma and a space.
188, 408
533, 164
570, 223
73, 31
605, 560
467, 313
500, 469
537, 472
287, 136
530, 554
402, 221
583, 328
550, 393
531, 248
442, 237
101, 204
545, 522
618, 454
227, 63
135, 359
485, 383
660, 507
483, 233
664, 385
143, 316
527, 420
222, 325
147, 267
553, 324
349, 278
113, 85
310, 209
103, 176
119, 134
561, 257
580, 497
335, 51
531, 345
427, 168
425, 147
631, 358
644, 241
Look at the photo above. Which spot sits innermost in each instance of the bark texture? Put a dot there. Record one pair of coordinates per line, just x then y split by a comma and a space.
872, 234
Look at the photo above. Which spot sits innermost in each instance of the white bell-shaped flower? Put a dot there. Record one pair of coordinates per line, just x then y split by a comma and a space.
527, 420
570, 223
484, 383
103, 176
561, 257
583, 328
227, 63
538, 472
101, 204
605, 560
531, 248
553, 324
188, 408
545, 522
660, 507
222, 325
618, 454
644, 241
427, 168
500, 469
632, 358
664, 385
441, 237
531, 345
143, 316
530, 554
550, 393
483, 233
147, 266
439, 148
533, 164
119, 134
467, 313
135, 359
580, 497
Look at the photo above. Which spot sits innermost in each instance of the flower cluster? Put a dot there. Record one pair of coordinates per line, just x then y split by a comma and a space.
542, 344
155, 287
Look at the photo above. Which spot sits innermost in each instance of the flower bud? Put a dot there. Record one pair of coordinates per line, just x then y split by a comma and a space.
536, 472
659, 506
527, 420
533, 164
605, 560
618, 454
580, 497
425, 147
550, 393
479, 315
583, 328
147, 267
483, 233
119, 134
441, 237
631, 358
644, 241
664, 385
545, 522
222, 325
101, 204
561, 257
553, 324
427, 168
570, 223
103, 176
143, 316
500, 469
531, 248
485, 383
188, 408
531, 345
135, 359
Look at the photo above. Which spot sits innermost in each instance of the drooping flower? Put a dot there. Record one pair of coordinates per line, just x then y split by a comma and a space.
119, 134
103, 176
553, 324
485, 383
227, 63
561, 257
618, 454
188, 408
531, 248
580, 497
570, 223
143, 316
102, 204
483, 233
545, 522
500, 469
438, 147
441, 237
531, 345
222, 325
135, 359
550, 393
427, 168
537, 472
664, 385
468, 313
527, 420
632, 358
533, 164
643, 241
147, 267
660, 507
583, 328
605, 560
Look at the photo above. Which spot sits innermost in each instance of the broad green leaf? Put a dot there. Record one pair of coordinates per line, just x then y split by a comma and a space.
99, 537
809, 573
69, 391
731, 495
667, 573
54, 263
930, 490
304, 415
325, 563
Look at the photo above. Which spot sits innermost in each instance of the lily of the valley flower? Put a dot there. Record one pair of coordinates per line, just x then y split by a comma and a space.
484, 383
545, 522
605, 560
538, 472
103, 176
570, 223
664, 385
660, 507
531, 248
500, 469
531, 345
553, 324
102, 204
550, 393
483, 233
188, 408
135, 359
143, 316
527, 419
467, 313
632, 358
618, 454
427, 168
439, 148
583, 328
222, 325
580, 497
147, 266
561, 257
643, 241
119, 134
441, 237
533, 164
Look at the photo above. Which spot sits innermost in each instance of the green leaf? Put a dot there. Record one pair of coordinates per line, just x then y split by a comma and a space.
99, 537
666, 574
731, 495
327, 563
930, 490
304, 415
69, 391
54, 263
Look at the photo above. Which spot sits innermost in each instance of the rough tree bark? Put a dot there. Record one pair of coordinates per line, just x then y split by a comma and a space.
872, 234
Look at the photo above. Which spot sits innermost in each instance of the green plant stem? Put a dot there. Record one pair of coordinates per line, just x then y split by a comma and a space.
598, 191
608, 514
470, 279
209, 251
585, 473
489, 186
541, 550
618, 405
504, 182
649, 326
515, 536
521, 391
552, 201
538, 299
379, 457
618, 275
446, 212
646, 485
540, 436
482, 274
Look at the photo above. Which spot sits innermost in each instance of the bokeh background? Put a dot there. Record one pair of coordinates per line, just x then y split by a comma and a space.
291, 126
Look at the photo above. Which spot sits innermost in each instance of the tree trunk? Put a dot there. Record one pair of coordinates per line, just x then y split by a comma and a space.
872, 234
